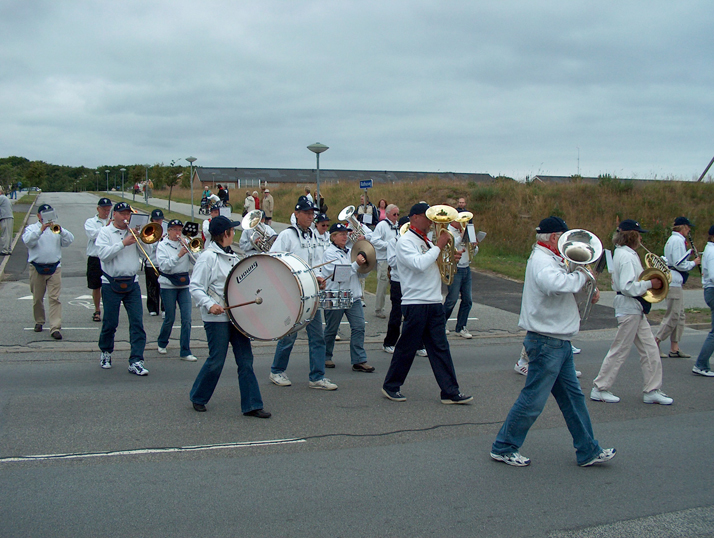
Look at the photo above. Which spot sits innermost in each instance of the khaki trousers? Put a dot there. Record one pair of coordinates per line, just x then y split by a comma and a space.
52, 284
382, 284
673, 323
6, 235
632, 329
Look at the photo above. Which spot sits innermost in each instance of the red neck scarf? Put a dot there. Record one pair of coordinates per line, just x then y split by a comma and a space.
420, 234
554, 250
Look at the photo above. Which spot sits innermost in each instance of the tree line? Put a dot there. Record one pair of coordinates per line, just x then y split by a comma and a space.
53, 177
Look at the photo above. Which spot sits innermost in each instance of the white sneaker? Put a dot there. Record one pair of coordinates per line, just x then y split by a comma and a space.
448, 331
523, 370
323, 384
281, 380
463, 333
702, 371
578, 373
163, 315
388, 349
422, 352
338, 337
576, 350
514, 459
189, 358
105, 360
138, 368
603, 396
605, 455
162, 350
658, 397
153, 314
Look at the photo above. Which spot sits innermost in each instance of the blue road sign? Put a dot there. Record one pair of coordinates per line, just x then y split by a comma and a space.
365, 183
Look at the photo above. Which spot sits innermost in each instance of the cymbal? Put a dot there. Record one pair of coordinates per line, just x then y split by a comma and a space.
365, 247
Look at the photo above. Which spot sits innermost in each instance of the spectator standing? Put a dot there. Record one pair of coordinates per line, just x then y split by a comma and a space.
257, 199
248, 203
382, 210
309, 196
7, 222
268, 206
367, 212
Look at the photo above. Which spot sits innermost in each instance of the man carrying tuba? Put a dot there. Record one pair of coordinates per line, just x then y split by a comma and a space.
632, 324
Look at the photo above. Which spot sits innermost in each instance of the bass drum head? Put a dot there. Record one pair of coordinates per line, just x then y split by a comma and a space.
284, 308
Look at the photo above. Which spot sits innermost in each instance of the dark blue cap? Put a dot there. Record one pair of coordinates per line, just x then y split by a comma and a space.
628, 225
338, 227
44, 207
174, 222
552, 225
322, 218
304, 205
122, 206
157, 214
418, 209
683, 221
221, 224
104, 202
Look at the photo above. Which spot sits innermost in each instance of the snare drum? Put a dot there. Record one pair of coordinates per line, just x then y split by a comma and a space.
335, 299
286, 285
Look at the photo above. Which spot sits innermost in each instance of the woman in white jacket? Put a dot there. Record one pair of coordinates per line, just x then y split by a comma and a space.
207, 283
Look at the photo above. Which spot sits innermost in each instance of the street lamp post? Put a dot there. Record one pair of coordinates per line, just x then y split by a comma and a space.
317, 148
122, 181
191, 160
96, 177
107, 171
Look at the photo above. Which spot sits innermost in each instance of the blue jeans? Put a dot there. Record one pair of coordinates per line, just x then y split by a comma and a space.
316, 345
355, 315
132, 303
170, 297
219, 334
708, 346
550, 369
461, 285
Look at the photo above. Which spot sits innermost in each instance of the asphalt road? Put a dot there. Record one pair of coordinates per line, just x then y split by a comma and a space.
92, 452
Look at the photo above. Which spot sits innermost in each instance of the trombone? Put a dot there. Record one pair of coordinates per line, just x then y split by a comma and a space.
194, 246
149, 234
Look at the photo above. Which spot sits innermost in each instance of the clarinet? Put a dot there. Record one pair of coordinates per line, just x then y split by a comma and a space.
696, 252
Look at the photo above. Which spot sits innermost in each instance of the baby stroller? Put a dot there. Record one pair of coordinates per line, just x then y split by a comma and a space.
205, 208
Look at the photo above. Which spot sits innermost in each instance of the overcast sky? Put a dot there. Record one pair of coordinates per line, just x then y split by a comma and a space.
503, 87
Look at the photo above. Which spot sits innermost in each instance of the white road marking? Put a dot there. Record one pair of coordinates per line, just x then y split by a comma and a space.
111, 453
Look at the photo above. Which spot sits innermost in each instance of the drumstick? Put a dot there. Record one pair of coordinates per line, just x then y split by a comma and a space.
258, 300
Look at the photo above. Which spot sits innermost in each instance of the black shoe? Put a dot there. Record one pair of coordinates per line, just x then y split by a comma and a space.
199, 407
393, 395
38, 328
258, 413
363, 367
56, 335
458, 399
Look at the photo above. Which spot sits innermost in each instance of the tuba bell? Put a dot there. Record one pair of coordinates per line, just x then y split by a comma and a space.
260, 239
580, 248
442, 216
348, 215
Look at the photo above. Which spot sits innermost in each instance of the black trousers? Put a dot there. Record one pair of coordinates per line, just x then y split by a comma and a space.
395, 315
427, 322
153, 290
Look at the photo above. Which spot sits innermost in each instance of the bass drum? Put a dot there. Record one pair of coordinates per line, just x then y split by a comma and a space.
287, 287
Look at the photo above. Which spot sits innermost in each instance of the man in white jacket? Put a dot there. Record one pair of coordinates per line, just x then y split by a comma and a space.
423, 312
92, 227
385, 231
632, 324
550, 315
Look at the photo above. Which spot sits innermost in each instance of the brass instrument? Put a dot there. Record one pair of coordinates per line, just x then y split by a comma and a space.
149, 234
441, 216
405, 228
463, 219
251, 221
194, 246
348, 215
56, 228
580, 248
656, 267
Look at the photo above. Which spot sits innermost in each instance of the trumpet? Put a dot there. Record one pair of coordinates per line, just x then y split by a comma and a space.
348, 215
581, 248
56, 228
251, 221
194, 246
656, 267
441, 216
149, 234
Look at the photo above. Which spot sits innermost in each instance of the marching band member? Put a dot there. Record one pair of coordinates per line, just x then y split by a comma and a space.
246, 242
92, 227
394, 324
44, 253
461, 284
675, 251
153, 288
301, 240
206, 288
322, 225
121, 262
702, 365
632, 324
338, 254
174, 263
550, 314
385, 230
423, 312
215, 211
